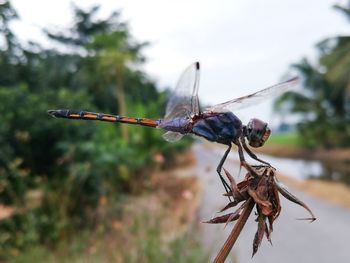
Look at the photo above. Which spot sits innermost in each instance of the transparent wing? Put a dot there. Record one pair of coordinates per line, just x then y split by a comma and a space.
184, 100
256, 97
172, 136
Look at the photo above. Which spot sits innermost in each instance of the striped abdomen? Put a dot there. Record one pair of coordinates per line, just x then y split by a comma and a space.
85, 115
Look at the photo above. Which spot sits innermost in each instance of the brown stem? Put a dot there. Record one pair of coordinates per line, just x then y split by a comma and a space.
230, 241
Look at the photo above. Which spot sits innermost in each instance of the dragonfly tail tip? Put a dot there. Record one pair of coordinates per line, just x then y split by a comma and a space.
54, 113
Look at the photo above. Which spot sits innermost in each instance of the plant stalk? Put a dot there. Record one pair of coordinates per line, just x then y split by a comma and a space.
230, 241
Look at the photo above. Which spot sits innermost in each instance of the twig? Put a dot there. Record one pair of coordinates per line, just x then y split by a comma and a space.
230, 241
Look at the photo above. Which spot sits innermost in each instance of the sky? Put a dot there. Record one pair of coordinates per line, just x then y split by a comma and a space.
242, 45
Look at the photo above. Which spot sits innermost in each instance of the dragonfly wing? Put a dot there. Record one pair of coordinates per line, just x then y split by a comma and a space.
172, 136
184, 100
194, 99
255, 98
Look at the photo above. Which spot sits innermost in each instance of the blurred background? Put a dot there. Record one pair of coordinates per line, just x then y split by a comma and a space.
76, 191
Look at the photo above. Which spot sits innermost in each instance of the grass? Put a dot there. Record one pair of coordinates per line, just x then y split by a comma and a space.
146, 248
285, 139
153, 227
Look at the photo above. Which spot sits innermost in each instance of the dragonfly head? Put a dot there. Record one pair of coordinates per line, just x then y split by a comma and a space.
257, 132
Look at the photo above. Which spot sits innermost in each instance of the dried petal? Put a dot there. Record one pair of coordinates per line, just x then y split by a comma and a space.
244, 196
271, 220
230, 204
259, 234
243, 184
223, 219
235, 192
293, 198
265, 205
262, 188
257, 199
268, 232
275, 199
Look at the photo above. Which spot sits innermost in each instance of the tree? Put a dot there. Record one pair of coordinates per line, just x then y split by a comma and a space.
10, 51
335, 58
110, 50
85, 26
114, 53
325, 104
7, 14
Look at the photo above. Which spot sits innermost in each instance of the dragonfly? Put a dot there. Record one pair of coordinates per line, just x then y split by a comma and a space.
216, 123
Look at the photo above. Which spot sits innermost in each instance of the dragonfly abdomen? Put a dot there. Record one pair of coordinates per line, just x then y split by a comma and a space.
85, 115
177, 124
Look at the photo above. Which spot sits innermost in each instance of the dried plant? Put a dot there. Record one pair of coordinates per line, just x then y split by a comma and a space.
260, 189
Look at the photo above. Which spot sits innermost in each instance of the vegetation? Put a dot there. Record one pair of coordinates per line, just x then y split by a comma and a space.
130, 229
291, 138
182, 250
325, 103
54, 172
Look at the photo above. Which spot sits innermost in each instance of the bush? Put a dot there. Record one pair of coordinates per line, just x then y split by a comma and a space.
72, 163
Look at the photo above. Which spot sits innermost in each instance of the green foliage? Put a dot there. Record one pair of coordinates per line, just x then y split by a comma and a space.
34, 156
70, 165
29, 142
324, 105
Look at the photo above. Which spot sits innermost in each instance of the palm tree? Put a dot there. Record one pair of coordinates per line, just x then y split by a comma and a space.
325, 104
109, 52
335, 58
115, 53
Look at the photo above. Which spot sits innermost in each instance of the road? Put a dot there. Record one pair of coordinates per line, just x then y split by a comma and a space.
325, 240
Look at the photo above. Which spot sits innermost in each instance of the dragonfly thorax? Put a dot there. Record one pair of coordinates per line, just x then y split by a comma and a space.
223, 127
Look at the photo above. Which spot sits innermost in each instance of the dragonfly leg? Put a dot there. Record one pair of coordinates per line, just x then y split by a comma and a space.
250, 153
219, 168
242, 159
